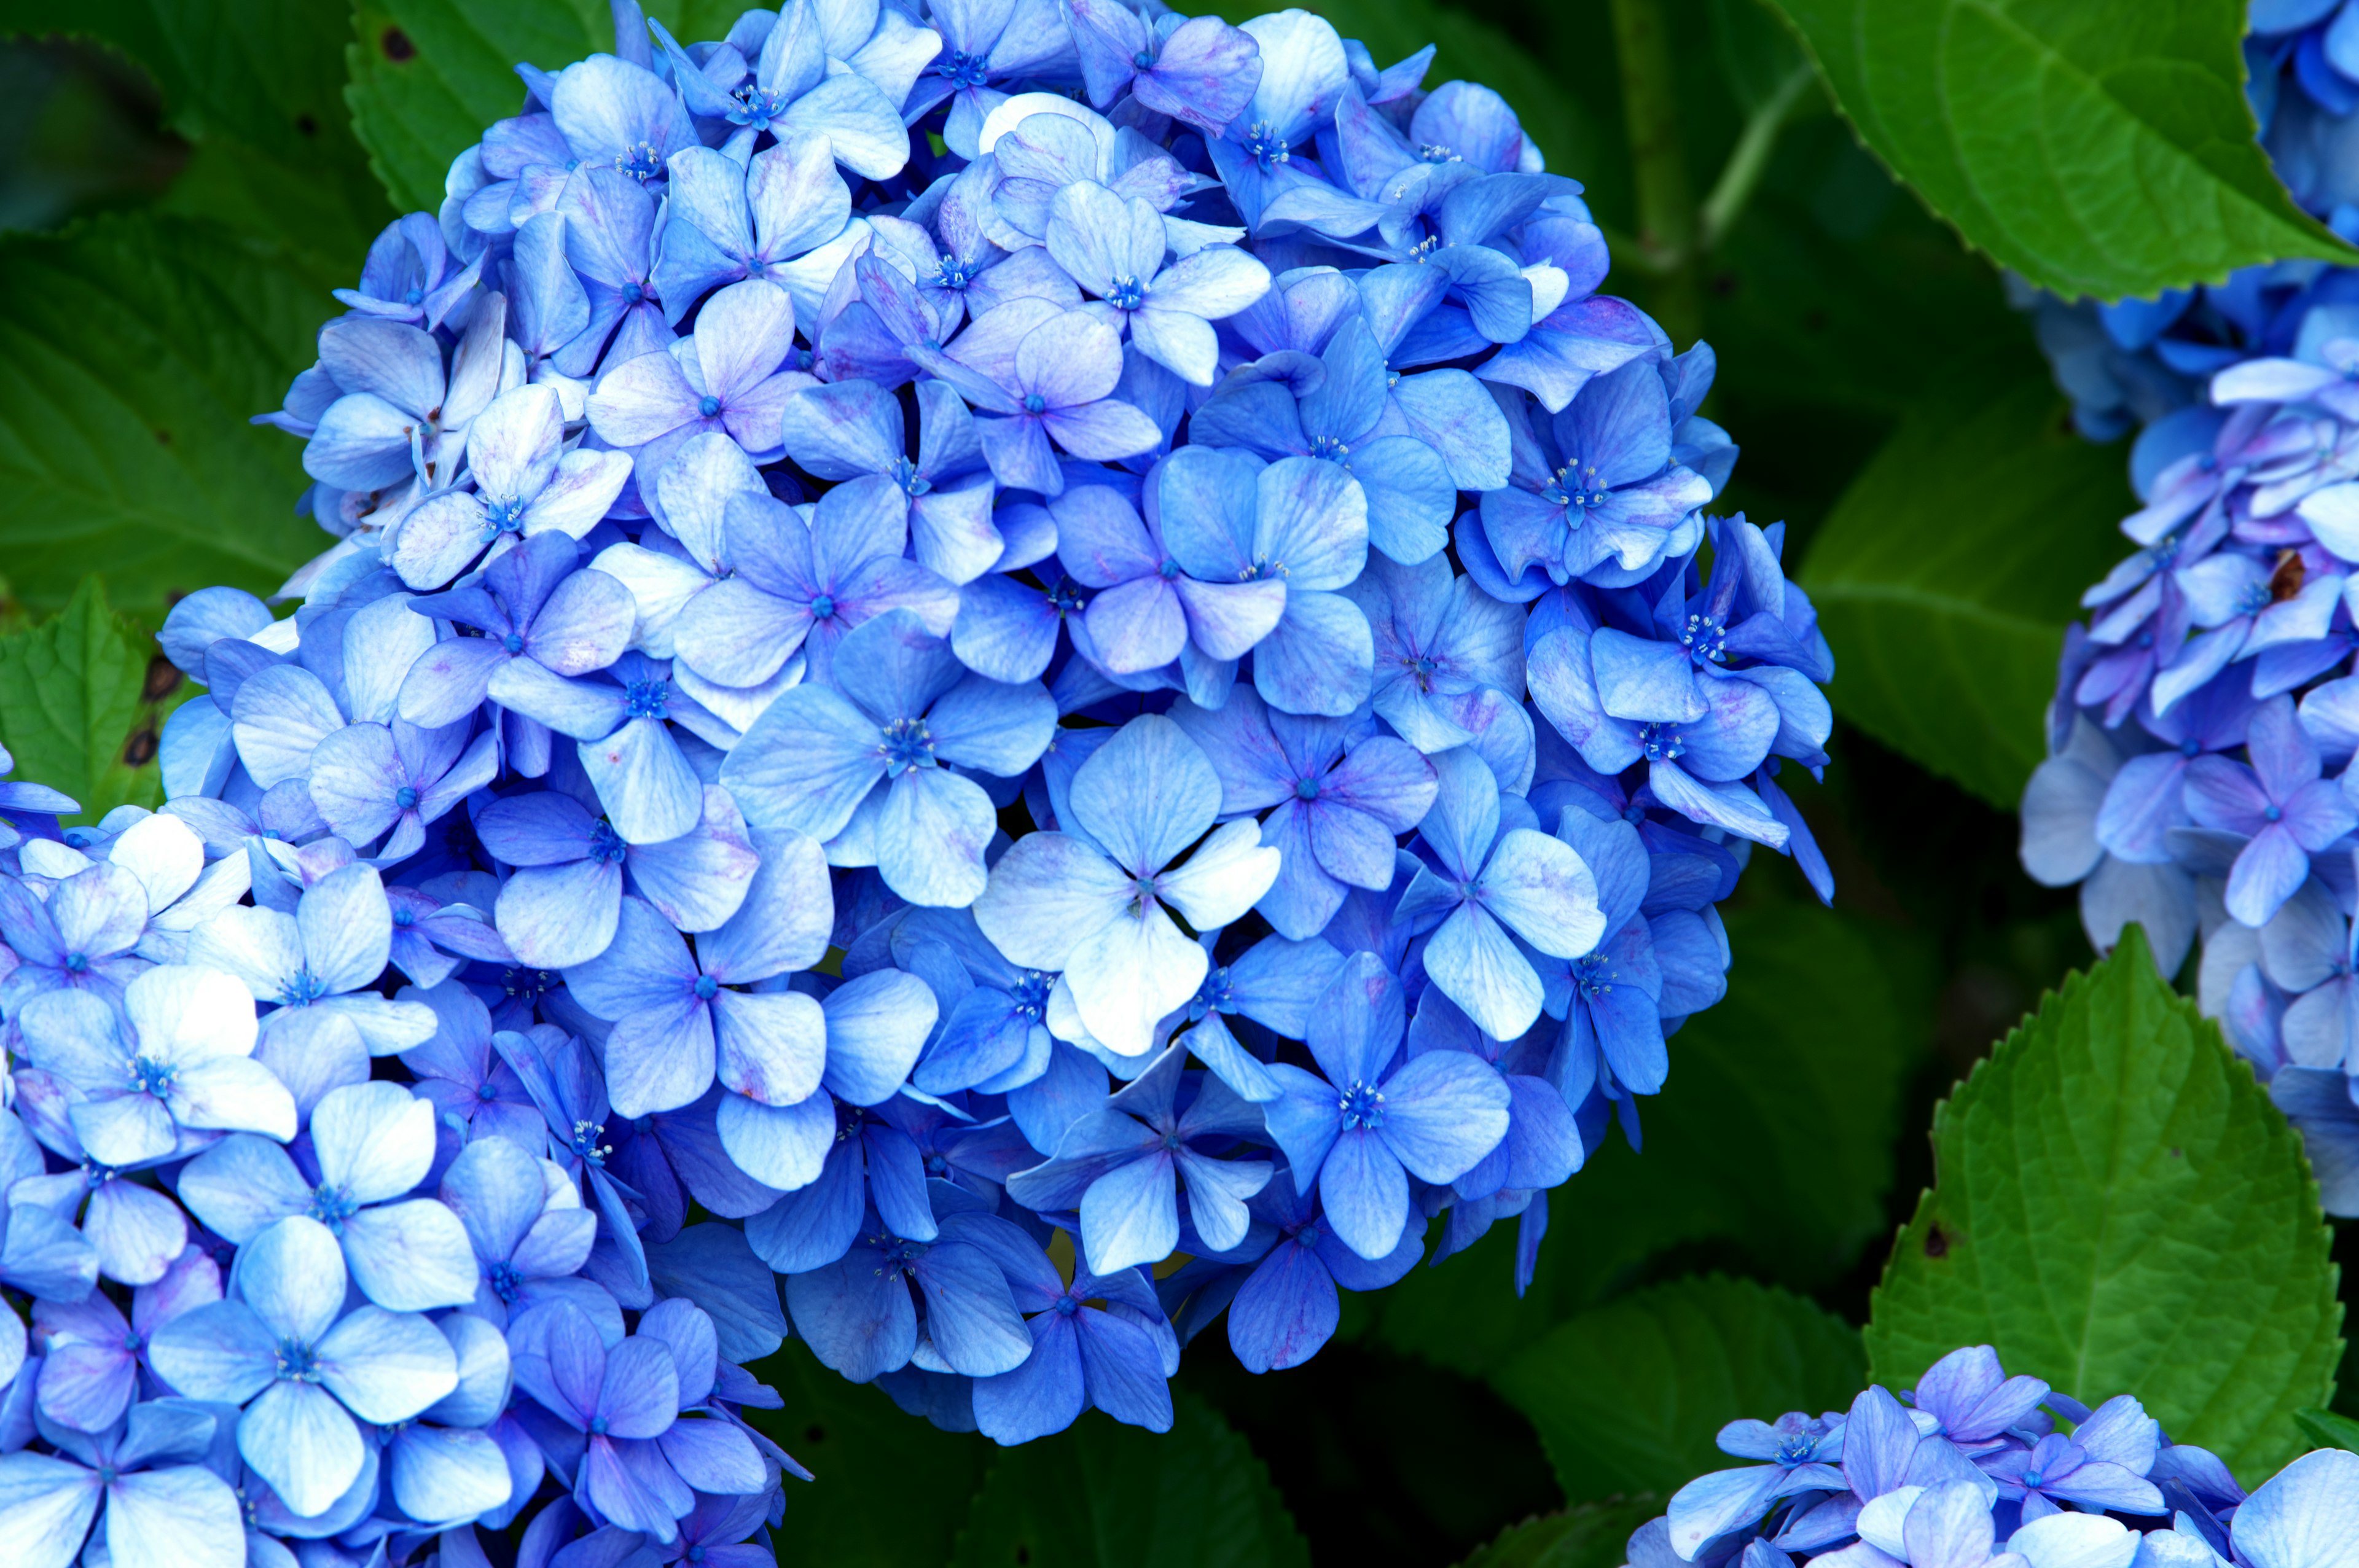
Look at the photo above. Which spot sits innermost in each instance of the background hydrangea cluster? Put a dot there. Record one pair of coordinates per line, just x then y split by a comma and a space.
2204, 720
923, 688
1974, 1469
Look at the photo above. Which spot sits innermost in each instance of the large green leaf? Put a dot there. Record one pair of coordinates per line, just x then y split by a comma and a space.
1945, 577
428, 76
1629, 1397
1595, 1535
258, 86
2095, 147
1102, 1496
1773, 1142
891, 1489
133, 351
76, 709
2118, 1208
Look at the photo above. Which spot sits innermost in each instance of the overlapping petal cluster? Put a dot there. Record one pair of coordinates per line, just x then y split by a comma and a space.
1974, 1469
1022, 675
2201, 737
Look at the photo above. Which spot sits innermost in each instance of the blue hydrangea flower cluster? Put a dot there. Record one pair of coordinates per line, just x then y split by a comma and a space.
1974, 1469
2199, 781
1048, 670
2143, 364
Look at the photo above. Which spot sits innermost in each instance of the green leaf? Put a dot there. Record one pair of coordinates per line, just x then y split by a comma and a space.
133, 351
1946, 575
2118, 1208
258, 86
2326, 1428
2095, 148
75, 708
1630, 1396
430, 76
1774, 1141
1100, 1495
892, 1488
1595, 1535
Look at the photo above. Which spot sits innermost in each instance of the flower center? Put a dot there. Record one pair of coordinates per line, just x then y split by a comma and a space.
585, 1141
1031, 995
1578, 487
647, 699
77, 963
906, 746
707, 406
606, 846
755, 105
1362, 1105
1264, 144
1706, 637
1328, 447
296, 1361
1662, 742
332, 1207
953, 272
904, 473
1305, 789
707, 987
511, 643
502, 517
1434, 152
304, 989
1126, 294
822, 608
1593, 977
1034, 403
640, 161
405, 797
150, 1076
961, 69
505, 1283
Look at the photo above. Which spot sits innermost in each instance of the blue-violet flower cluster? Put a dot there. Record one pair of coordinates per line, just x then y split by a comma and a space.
1974, 1469
994, 680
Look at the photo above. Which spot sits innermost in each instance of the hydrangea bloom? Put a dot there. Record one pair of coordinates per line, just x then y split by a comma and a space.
1969, 1470
1146, 676
2204, 729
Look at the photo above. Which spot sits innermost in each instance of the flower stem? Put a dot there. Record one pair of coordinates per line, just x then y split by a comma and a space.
1666, 209
1742, 174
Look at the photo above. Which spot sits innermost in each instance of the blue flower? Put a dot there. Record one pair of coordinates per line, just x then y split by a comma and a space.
1121, 1169
634, 1458
1049, 375
369, 1147
904, 710
1201, 72
317, 965
1343, 794
1485, 883
284, 1346
175, 1066
1101, 1342
859, 1315
1091, 907
144, 1481
1362, 1126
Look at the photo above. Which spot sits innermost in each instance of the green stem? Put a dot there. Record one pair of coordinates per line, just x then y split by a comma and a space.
1667, 211
1741, 173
